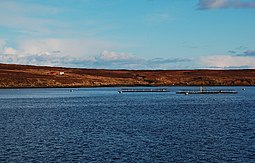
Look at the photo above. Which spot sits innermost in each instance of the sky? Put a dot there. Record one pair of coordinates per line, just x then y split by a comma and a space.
129, 34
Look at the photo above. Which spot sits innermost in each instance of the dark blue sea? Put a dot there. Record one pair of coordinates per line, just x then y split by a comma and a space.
101, 125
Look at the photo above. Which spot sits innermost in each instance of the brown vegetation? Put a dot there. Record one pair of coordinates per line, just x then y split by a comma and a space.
41, 76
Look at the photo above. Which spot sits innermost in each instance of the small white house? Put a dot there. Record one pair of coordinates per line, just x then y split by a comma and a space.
61, 73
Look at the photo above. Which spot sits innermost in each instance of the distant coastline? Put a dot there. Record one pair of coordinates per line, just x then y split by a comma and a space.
25, 76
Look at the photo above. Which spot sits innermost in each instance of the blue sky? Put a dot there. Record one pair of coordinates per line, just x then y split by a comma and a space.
129, 34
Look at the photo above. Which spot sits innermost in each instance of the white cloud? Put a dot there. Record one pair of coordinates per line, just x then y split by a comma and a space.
44, 59
226, 61
213, 4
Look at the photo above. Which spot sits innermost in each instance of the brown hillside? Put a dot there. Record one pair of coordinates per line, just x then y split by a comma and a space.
41, 76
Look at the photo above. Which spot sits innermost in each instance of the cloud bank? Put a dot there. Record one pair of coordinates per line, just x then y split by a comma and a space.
221, 4
102, 61
57, 53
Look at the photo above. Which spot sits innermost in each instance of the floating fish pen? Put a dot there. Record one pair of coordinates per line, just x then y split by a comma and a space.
143, 90
201, 91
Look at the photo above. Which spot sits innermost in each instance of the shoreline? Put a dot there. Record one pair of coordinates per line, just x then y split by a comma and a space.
3, 88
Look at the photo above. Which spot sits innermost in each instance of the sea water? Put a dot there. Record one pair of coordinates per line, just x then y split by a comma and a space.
101, 125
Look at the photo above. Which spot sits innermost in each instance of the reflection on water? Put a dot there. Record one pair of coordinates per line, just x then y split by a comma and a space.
101, 125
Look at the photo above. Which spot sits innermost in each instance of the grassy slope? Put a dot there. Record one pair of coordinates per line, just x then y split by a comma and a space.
40, 76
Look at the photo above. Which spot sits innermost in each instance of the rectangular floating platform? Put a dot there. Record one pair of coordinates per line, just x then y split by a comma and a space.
207, 92
143, 90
